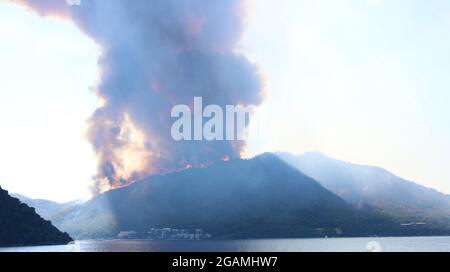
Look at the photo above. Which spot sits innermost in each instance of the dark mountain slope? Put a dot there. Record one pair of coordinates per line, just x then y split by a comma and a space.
20, 225
261, 197
375, 187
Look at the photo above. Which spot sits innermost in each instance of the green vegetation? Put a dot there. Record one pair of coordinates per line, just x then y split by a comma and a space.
20, 225
258, 198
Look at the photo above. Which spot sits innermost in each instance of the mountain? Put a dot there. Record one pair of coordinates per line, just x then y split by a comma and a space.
46, 208
375, 187
256, 198
20, 225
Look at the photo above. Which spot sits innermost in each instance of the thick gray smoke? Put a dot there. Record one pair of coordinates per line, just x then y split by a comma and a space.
156, 54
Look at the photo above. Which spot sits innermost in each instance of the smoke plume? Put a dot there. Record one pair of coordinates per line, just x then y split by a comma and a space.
156, 54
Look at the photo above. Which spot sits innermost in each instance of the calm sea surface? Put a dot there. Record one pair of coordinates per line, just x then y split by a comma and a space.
421, 244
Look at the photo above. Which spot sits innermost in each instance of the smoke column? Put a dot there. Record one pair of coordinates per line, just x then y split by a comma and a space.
156, 54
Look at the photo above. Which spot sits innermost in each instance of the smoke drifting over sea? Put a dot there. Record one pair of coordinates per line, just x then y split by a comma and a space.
157, 54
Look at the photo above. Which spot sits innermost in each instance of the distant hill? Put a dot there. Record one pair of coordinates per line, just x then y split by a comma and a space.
20, 225
257, 198
375, 187
46, 208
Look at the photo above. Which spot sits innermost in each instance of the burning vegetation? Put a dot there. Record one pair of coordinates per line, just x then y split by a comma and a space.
157, 54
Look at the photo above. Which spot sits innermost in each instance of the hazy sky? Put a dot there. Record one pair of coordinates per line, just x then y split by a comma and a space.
363, 81
46, 68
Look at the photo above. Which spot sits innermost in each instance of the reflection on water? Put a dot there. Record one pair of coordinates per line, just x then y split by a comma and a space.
421, 244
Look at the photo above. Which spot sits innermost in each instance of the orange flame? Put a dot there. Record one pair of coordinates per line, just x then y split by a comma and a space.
132, 160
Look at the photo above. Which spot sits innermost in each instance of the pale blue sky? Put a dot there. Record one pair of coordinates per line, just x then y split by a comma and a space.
363, 81
366, 81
